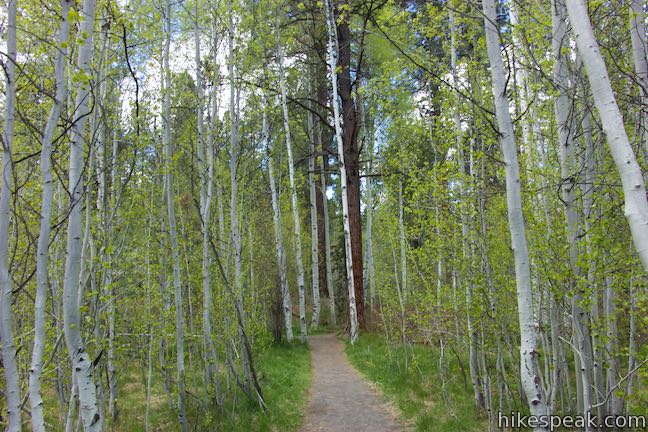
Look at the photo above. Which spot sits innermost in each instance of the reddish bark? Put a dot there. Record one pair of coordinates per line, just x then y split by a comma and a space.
350, 120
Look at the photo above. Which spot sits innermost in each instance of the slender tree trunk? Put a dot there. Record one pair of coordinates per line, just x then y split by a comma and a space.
636, 205
369, 257
402, 311
109, 282
206, 169
313, 220
173, 233
235, 234
587, 188
326, 234
531, 383
82, 365
295, 208
466, 277
279, 246
638, 40
36, 369
71, 413
332, 57
521, 77
402, 240
632, 336
149, 311
580, 317
12, 389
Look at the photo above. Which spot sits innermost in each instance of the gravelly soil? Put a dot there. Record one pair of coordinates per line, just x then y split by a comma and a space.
340, 399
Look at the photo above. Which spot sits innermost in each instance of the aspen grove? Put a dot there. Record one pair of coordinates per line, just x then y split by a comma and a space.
191, 189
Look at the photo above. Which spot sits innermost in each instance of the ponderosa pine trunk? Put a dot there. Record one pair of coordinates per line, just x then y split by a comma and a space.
531, 383
350, 127
351, 274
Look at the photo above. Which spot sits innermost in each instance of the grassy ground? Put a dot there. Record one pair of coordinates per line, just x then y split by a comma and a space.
284, 373
417, 392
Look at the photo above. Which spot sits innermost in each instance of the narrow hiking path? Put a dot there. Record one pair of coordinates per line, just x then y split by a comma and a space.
340, 399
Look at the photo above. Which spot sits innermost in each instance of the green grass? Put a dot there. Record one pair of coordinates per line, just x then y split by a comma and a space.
284, 373
417, 392
285, 376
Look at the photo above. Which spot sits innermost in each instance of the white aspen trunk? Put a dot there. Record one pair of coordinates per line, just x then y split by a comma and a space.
521, 77
315, 288
112, 299
553, 308
401, 239
56, 306
402, 311
437, 223
531, 382
369, 258
149, 380
632, 337
81, 363
638, 40
279, 246
580, 318
173, 233
165, 297
71, 413
492, 291
295, 208
615, 404
12, 389
332, 57
206, 177
149, 311
473, 342
106, 210
214, 125
42, 253
612, 346
234, 217
636, 205
587, 187
327, 237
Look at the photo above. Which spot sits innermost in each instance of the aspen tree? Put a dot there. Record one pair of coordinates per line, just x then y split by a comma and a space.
634, 192
10, 366
528, 343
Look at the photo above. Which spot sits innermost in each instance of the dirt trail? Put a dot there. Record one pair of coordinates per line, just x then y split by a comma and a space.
340, 399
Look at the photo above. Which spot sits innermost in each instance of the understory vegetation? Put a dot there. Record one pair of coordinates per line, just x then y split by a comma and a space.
191, 188
429, 398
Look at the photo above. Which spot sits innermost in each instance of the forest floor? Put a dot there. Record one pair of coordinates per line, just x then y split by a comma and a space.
340, 399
